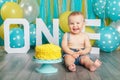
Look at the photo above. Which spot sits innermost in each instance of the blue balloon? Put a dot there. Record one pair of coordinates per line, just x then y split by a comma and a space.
113, 9
16, 38
99, 8
32, 34
109, 39
1, 20
1, 42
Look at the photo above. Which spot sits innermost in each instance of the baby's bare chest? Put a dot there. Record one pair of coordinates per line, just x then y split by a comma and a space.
76, 40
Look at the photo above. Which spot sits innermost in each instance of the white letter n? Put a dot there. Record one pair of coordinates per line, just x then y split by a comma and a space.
42, 28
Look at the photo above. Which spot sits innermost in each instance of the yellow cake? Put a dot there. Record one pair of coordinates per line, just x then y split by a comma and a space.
48, 52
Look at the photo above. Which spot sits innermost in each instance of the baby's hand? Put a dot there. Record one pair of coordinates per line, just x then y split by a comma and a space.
75, 55
81, 52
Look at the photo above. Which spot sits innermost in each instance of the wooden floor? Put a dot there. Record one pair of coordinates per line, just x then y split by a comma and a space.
21, 67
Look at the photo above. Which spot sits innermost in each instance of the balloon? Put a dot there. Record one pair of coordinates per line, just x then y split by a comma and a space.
2, 29
118, 48
99, 8
30, 9
1, 20
2, 32
109, 39
116, 25
32, 34
1, 42
90, 30
13, 26
64, 21
11, 10
2, 2
113, 9
16, 38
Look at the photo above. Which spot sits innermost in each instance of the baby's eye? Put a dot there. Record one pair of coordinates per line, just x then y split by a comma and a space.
78, 23
71, 23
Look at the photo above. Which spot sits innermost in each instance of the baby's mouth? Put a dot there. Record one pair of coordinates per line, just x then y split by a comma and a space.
75, 29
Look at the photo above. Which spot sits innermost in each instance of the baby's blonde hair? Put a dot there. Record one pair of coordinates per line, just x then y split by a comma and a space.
76, 13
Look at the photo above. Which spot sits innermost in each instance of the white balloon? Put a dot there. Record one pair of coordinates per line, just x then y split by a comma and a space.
30, 9
116, 25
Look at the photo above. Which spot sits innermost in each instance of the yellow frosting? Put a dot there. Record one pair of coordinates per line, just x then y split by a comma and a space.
48, 52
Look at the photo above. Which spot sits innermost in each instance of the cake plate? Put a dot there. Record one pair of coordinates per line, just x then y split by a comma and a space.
46, 65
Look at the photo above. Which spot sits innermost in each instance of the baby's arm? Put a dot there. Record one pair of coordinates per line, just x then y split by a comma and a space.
65, 47
87, 46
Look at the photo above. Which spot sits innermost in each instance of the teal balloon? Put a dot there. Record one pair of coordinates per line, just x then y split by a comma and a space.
1, 20
32, 34
16, 38
113, 9
1, 42
99, 8
109, 39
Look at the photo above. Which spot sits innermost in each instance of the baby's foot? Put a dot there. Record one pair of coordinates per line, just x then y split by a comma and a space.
72, 67
95, 65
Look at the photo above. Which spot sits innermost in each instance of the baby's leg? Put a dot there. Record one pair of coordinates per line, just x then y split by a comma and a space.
69, 62
95, 65
88, 63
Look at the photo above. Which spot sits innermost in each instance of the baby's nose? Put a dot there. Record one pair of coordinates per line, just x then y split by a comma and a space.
75, 25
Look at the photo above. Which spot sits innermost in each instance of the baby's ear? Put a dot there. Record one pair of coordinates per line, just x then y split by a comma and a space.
84, 24
83, 28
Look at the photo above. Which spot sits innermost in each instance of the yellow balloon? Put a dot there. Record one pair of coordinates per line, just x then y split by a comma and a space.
90, 30
11, 10
2, 32
63, 19
118, 49
13, 26
2, 29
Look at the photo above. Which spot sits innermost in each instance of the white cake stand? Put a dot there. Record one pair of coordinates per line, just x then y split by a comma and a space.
46, 65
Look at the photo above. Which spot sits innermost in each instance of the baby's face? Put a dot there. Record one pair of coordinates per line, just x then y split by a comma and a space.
76, 23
